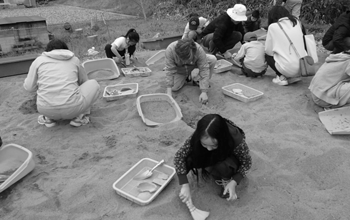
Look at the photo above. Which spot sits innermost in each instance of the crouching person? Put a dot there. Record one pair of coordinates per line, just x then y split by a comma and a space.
62, 87
330, 87
187, 61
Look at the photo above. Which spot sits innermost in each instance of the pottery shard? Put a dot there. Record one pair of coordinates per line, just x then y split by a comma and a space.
159, 181
163, 176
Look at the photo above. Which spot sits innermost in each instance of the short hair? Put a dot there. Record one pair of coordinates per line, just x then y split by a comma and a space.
56, 44
256, 14
185, 49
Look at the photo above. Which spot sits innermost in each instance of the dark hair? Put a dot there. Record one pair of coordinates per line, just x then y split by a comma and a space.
213, 126
56, 44
193, 14
185, 49
278, 12
132, 35
256, 14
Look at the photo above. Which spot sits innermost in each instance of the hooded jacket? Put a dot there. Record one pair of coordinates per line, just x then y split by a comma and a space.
338, 32
55, 76
222, 27
329, 79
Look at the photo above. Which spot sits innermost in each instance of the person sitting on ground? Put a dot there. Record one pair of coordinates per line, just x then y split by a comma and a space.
62, 87
251, 56
181, 59
330, 87
225, 31
253, 22
122, 45
337, 37
280, 55
217, 148
194, 27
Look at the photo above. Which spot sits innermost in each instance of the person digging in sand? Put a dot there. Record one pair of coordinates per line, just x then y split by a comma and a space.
185, 60
62, 87
122, 45
218, 149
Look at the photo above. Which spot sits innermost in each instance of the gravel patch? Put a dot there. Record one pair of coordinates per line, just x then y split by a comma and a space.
59, 14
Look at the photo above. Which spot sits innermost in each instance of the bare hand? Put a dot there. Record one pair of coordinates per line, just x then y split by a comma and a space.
185, 193
227, 55
231, 189
203, 98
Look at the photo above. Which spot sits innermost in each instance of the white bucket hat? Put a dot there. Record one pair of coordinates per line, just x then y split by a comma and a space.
238, 12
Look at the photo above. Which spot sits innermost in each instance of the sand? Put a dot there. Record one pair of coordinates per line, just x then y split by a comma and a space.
299, 170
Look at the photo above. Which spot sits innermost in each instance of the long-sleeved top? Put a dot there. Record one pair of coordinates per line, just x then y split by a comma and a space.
55, 76
338, 32
203, 22
329, 79
174, 64
222, 27
240, 152
278, 46
253, 53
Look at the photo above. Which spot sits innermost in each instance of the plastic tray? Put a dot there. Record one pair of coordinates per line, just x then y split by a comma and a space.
123, 90
248, 94
16, 158
222, 66
156, 97
136, 71
101, 69
126, 185
336, 121
153, 59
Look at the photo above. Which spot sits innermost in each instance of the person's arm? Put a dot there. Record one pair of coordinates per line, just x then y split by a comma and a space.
241, 53
218, 38
241, 152
82, 76
170, 67
185, 34
203, 67
339, 35
31, 81
180, 161
269, 41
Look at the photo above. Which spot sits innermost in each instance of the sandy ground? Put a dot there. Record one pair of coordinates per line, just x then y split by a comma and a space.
299, 170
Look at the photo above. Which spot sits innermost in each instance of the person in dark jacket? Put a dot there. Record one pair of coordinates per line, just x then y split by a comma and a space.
225, 31
253, 22
337, 37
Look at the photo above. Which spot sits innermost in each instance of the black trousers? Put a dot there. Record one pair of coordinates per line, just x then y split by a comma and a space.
271, 62
110, 54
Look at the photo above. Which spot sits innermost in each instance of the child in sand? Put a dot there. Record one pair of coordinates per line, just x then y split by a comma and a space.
217, 148
62, 87
122, 45
251, 56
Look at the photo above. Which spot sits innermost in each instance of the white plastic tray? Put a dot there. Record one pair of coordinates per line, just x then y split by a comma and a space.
136, 71
126, 185
248, 94
156, 97
120, 91
336, 121
101, 69
222, 66
12, 155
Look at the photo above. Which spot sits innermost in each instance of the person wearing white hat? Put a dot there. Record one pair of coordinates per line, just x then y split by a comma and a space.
225, 31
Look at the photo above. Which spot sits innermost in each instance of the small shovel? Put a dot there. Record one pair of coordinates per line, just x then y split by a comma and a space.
148, 173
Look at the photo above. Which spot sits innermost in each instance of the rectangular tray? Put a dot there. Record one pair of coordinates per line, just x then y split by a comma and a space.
17, 158
136, 71
248, 94
126, 185
157, 97
222, 66
132, 92
101, 69
336, 121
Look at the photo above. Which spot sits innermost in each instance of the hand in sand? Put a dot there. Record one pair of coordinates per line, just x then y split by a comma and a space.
227, 55
231, 189
185, 193
203, 98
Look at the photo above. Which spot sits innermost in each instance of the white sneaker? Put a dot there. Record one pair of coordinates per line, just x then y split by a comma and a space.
79, 121
280, 80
